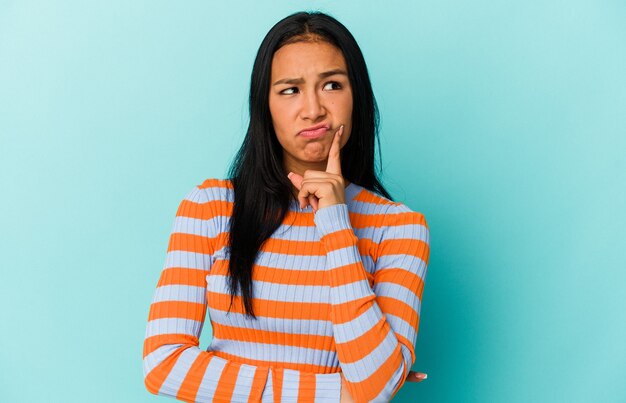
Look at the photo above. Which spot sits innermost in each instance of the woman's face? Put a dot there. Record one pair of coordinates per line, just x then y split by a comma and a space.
309, 87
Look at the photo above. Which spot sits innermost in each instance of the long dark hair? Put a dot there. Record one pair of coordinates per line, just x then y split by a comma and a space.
262, 189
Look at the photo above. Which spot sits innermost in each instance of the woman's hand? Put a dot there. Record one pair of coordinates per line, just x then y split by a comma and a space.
322, 189
416, 376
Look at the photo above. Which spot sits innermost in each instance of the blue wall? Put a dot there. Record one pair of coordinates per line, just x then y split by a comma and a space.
503, 123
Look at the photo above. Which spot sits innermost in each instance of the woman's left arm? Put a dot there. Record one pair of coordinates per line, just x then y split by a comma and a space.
375, 327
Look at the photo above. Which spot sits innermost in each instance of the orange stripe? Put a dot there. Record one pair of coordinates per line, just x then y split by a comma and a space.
401, 277
154, 380
320, 369
306, 388
347, 311
405, 246
190, 243
297, 277
272, 309
315, 248
190, 209
401, 309
226, 384
224, 332
177, 309
184, 276
277, 383
406, 218
153, 342
189, 388
348, 274
216, 183
274, 275
367, 197
339, 239
258, 384
287, 247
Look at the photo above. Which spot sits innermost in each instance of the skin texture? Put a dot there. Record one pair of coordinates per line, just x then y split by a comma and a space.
309, 98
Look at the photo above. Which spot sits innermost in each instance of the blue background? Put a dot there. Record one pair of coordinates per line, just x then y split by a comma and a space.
503, 122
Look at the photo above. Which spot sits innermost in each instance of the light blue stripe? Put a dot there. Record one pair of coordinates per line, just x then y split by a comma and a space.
310, 233
279, 292
243, 385
362, 369
351, 292
193, 226
409, 263
332, 218
408, 231
292, 326
158, 327
185, 293
291, 262
343, 256
402, 327
327, 387
197, 195
402, 294
406, 354
294, 232
213, 372
270, 352
187, 260
355, 328
176, 376
188, 225
157, 356
291, 383
301, 262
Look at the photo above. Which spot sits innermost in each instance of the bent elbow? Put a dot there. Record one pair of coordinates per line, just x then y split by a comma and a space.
153, 378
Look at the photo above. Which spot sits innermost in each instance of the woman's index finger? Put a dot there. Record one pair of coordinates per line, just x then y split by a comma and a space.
333, 165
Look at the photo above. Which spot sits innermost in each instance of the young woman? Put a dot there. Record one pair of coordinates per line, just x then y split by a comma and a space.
312, 275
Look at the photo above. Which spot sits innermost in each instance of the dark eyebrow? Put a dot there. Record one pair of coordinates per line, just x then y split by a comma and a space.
324, 74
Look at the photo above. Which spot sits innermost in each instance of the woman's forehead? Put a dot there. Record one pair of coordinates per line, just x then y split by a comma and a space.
301, 59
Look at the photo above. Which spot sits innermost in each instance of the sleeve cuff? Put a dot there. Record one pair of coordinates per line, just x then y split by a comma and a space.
333, 218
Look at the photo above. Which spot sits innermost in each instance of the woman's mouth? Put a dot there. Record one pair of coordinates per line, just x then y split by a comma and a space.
315, 131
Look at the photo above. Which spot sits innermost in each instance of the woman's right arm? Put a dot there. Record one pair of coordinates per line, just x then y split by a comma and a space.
173, 364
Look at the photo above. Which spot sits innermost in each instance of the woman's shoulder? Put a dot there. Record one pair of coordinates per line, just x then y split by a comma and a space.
215, 189
369, 203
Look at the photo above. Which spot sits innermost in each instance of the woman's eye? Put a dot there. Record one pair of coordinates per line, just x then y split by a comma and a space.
289, 91
331, 84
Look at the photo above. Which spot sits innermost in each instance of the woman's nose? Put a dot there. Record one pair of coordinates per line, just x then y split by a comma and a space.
312, 106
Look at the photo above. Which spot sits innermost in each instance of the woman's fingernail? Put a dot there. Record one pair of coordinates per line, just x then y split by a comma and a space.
289, 175
421, 376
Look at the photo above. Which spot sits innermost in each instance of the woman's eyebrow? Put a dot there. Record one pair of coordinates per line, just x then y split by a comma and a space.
321, 75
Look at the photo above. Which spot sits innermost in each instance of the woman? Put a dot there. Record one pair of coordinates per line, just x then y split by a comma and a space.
312, 275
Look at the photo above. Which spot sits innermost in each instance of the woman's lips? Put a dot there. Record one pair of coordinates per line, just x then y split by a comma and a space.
311, 134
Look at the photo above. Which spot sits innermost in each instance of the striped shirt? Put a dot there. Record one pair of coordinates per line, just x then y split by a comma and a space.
337, 293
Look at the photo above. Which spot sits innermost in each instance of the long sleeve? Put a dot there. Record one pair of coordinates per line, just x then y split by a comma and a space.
375, 324
173, 364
